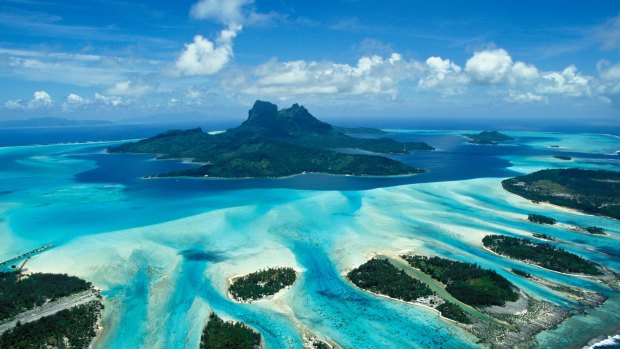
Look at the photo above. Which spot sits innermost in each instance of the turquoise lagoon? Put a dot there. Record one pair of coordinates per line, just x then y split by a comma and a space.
162, 250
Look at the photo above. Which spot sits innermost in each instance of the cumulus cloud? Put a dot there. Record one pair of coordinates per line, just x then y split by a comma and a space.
489, 66
443, 75
108, 100
610, 74
40, 99
608, 71
568, 82
371, 75
72, 98
73, 101
203, 57
129, 88
524, 73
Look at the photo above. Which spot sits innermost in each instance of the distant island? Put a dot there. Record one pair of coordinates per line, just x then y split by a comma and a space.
591, 191
541, 254
272, 143
562, 157
488, 137
51, 122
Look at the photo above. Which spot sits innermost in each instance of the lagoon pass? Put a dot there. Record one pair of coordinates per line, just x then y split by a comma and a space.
162, 250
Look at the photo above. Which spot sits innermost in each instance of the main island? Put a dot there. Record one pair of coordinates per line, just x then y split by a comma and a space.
278, 143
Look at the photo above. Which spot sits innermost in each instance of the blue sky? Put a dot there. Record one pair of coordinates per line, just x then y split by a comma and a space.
526, 60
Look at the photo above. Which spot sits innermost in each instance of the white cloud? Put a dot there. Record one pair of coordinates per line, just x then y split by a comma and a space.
610, 74
108, 100
527, 97
443, 75
74, 99
489, 66
202, 57
128, 88
522, 72
40, 99
371, 75
568, 82
15, 104
231, 12
224, 11
607, 71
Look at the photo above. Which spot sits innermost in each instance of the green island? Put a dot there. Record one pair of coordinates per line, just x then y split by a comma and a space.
591, 191
381, 277
540, 219
47, 311
544, 236
262, 283
594, 230
272, 143
562, 157
522, 273
20, 292
541, 254
467, 282
68, 328
220, 334
453, 312
488, 137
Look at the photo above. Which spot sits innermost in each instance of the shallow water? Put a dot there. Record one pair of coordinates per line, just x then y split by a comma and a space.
162, 249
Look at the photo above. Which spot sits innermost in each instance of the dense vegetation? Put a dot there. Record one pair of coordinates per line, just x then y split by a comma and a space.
595, 230
541, 254
70, 328
20, 292
262, 283
454, 312
272, 143
220, 334
276, 159
540, 219
592, 191
467, 282
381, 277
488, 137
544, 236
522, 273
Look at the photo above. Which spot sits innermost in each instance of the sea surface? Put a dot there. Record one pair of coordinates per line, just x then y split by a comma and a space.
162, 250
